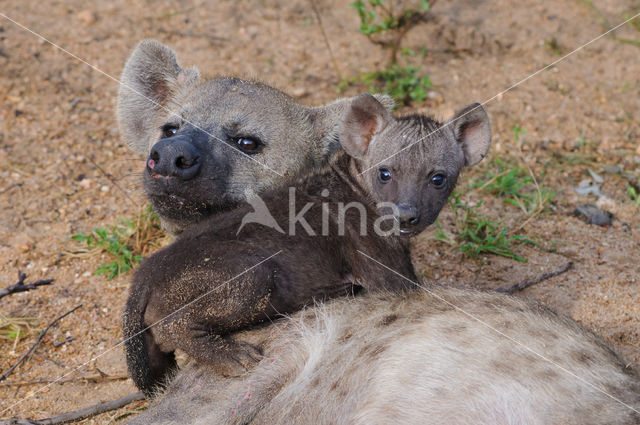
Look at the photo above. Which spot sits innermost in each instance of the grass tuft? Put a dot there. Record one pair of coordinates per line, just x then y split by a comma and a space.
475, 234
404, 84
126, 243
517, 186
16, 328
634, 195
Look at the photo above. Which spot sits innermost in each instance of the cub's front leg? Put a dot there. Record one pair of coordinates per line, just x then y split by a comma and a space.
219, 303
191, 296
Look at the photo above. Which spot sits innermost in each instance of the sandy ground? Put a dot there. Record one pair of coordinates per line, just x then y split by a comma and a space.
63, 168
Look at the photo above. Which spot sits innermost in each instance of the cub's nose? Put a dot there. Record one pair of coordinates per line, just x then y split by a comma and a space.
408, 216
174, 157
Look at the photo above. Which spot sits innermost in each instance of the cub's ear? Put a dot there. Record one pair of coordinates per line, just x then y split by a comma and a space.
362, 120
150, 79
472, 131
386, 101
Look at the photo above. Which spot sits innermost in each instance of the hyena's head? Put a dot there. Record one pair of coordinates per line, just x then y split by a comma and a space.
212, 143
412, 162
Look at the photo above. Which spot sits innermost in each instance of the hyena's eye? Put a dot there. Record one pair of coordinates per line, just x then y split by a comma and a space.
384, 175
169, 130
438, 180
248, 145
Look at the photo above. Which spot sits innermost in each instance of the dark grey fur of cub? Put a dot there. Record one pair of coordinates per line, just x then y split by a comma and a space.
228, 281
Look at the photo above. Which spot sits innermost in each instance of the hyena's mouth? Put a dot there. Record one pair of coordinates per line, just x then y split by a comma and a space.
407, 232
172, 205
175, 207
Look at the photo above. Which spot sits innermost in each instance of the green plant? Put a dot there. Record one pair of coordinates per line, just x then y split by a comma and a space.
517, 131
607, 26
14, 328
385, 23
475, 234
554, 46
404, 84
125, 243
517, 186
634, 195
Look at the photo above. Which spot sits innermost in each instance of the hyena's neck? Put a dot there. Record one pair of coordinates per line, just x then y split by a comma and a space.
347, 171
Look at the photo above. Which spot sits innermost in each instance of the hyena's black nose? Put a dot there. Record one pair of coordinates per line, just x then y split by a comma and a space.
408, 215
174, 156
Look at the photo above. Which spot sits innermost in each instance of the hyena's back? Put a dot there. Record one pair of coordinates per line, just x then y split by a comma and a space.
416, 359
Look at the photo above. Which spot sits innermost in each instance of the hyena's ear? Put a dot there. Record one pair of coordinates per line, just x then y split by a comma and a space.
472, 131
326, 120
362, 120
150, 79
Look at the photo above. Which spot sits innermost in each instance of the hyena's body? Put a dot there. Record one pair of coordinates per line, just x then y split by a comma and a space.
446, 356
229, 276
206, 168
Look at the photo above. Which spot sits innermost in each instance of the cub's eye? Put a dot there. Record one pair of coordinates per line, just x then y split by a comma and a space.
438, 180
169, 130
248, 145
384, 175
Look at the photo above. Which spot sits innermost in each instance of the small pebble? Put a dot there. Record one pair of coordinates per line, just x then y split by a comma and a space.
596, 177
612, 169
607, 204
299, 92
593, 215
87, 17
588, 187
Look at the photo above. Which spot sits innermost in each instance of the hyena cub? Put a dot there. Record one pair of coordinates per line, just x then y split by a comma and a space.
225, 274
446, 356
235, 137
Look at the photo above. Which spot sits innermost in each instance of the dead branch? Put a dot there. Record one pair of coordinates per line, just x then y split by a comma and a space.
92, 379
35, 344
78, 415
20, 286
530, 282
57, 344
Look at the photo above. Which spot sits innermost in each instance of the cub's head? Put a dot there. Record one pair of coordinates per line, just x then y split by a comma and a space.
412, 162
211, 143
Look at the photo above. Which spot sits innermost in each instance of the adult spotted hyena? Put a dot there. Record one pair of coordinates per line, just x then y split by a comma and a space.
212, 143
442, 356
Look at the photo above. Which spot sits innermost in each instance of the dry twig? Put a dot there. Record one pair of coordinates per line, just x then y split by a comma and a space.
530, 282
20, 286
35, 344
92, 378
78, 415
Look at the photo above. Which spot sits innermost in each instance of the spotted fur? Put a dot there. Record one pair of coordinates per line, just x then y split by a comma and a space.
445, 356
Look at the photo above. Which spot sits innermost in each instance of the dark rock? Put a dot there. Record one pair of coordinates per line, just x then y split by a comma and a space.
593, 215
